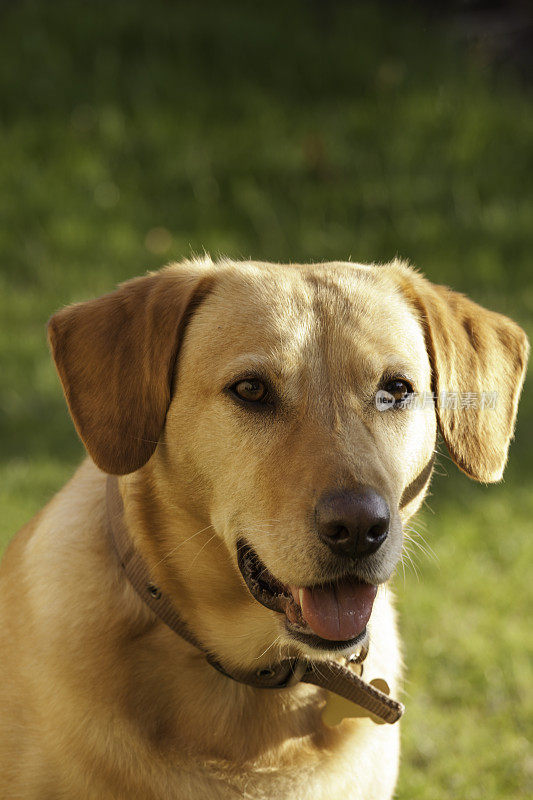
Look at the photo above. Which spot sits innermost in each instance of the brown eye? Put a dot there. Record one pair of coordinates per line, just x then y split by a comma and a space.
250, 389
400, 390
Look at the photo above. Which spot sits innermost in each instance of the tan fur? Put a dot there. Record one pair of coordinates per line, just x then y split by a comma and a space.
98, 699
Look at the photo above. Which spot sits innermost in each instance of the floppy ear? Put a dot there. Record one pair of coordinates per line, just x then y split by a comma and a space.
115, 356
475, 353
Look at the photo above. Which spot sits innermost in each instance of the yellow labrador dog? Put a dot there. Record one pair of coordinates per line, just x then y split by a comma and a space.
272, 431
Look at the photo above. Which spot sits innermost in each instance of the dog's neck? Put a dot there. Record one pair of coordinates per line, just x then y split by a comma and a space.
168, 537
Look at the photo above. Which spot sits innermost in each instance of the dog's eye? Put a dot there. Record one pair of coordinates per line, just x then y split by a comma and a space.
251, 389
394, 393
400, 390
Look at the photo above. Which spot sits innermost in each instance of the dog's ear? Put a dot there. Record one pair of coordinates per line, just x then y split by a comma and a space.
480, 355
115, 356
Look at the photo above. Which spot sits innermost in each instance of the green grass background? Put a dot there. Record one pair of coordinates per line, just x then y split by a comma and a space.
136, 133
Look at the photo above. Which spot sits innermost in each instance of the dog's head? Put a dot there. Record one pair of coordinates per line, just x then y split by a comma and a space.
281, 424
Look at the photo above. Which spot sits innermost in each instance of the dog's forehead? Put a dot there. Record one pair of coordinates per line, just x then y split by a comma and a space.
296, 312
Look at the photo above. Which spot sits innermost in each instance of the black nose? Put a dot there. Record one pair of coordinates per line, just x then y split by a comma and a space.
353, 523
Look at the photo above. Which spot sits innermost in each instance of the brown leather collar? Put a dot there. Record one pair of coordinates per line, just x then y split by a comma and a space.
329, 675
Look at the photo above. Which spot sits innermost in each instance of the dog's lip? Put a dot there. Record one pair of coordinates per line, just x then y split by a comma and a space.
276, 596
312, 640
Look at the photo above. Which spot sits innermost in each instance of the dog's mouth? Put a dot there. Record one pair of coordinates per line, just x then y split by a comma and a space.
329, 616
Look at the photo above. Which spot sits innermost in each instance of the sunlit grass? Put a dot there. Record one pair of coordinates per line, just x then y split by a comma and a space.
468, 647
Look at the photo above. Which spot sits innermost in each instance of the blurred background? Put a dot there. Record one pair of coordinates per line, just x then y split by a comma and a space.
134, 133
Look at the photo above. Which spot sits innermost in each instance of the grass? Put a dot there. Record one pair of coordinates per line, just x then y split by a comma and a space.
131, 135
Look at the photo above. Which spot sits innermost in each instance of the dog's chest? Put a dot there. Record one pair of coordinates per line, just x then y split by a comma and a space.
365, 768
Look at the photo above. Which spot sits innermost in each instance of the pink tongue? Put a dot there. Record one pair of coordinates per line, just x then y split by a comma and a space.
337, 612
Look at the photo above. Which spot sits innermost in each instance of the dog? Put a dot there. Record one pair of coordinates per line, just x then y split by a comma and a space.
257, 435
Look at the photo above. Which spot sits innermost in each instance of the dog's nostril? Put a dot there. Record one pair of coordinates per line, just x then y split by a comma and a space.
339, 532
377, 531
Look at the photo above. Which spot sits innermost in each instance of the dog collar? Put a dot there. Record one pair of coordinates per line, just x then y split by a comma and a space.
328, 675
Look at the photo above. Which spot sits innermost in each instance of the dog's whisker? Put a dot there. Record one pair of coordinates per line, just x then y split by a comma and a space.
316, 669
420, 523
180, 544
419, 541
403, 568
253, 531
202, 548
427, 551
276, 640
410, 561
